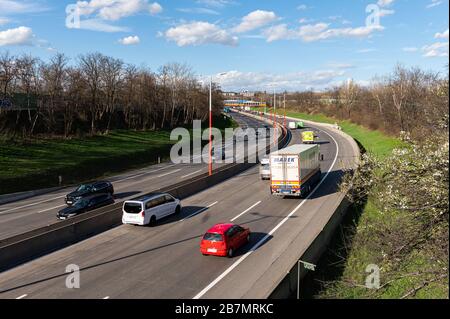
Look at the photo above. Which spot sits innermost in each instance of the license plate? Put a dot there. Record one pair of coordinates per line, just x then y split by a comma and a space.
212, 250
69, 202
62, 218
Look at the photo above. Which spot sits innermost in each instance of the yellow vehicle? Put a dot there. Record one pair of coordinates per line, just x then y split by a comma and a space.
308, 137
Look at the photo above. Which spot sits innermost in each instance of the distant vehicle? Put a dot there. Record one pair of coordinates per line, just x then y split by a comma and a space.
224, 239
295, 170
264, 168
296, 125
150, 208
85, 190
226, 110
308, 137
85, 204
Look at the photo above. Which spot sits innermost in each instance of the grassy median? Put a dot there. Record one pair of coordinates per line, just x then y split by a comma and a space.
38, 163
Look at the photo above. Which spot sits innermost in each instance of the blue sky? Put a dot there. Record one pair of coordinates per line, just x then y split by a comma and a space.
263, 44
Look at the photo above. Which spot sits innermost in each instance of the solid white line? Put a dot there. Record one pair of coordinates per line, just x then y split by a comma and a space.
259, 243
21, 297
46, 210
246, 211
191, 174
199, 211
169, 173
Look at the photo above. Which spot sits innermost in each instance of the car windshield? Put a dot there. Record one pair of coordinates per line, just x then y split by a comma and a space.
213, 237
132, 208
83, 188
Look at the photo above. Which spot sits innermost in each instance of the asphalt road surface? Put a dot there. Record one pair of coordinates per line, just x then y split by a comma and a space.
39, 211
165, 262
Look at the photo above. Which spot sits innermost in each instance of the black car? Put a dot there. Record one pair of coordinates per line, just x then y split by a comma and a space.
85, 204
85, 190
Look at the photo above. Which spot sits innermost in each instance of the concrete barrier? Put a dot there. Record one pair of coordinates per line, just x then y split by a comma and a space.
27, 246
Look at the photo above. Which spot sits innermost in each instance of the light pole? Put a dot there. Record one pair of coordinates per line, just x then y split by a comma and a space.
210, 168
284, 102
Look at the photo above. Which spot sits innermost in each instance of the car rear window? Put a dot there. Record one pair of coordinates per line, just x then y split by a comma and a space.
213, 237
132, 208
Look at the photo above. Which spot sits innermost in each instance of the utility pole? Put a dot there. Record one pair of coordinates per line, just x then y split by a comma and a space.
210, 128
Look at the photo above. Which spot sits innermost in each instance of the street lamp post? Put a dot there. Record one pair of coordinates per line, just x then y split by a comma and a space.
210, 128
210, 168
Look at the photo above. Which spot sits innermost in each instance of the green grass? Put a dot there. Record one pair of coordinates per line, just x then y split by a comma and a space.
360, 255
31, 164
375, 142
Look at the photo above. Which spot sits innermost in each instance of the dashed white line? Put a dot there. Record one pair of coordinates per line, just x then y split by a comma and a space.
107, 297
259, 243
46, 210
169, 173
199, 211
246, 211
32, 204
193, 173
21, 297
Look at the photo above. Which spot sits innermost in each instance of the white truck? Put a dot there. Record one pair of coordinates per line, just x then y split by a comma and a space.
264, 168
295, 170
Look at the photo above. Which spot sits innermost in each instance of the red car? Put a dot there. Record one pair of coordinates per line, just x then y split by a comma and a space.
224, 240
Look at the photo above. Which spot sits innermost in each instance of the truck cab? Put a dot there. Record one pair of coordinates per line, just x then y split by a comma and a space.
264, 169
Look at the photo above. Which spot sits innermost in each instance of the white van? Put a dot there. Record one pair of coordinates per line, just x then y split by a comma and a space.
264, 169
150, 208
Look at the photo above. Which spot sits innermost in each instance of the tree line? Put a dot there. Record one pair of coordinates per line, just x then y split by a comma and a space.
408, 100
96, 93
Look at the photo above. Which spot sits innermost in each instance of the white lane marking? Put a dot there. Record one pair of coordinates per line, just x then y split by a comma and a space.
199, 211
120, 180
246, 211
21, 297
148, 172
259, 243
193, 173
46, 210
32, 204
169, 173
107, 297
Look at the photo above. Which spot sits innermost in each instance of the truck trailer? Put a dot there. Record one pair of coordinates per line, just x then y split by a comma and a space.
295, 170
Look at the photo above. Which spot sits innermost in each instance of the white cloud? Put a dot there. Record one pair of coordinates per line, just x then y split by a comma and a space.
434, 3
18, 36
155, 8
101, 26
23, 6
199, 11
113, 10
197, 33
302, 7
316, 32
130, 40
255, 20
443, 35
438, 49
236, 80
385, 3
368, 50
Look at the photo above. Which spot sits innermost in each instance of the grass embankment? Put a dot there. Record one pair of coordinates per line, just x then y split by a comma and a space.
343, 267
37, 163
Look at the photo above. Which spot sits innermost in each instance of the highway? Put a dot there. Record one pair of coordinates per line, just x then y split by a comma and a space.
39, 211
165, 262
